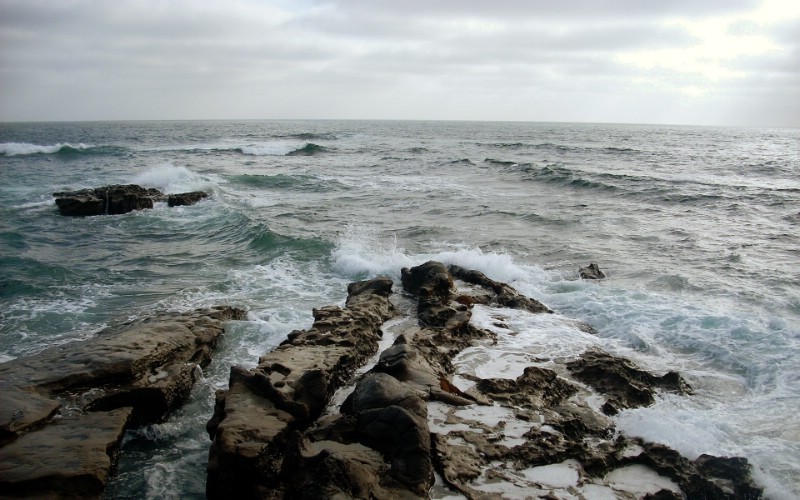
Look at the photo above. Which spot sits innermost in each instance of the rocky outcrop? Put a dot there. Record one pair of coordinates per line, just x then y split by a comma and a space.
591, 272
625, 384
182, 199
257, 448
545, 434
108, 200
117, 199
64, 410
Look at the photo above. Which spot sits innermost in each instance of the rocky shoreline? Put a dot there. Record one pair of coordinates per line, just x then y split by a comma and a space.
370, 402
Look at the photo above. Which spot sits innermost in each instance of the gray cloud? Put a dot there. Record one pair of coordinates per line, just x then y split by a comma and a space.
520, 60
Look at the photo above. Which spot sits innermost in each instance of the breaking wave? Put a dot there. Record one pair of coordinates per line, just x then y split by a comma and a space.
24, 148
308, 150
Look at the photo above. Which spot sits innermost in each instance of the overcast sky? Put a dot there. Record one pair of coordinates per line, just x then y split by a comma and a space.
708, 62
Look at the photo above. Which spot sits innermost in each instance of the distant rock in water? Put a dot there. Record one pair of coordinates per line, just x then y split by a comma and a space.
308, 150
591, 272
178, 200
118, 199
108, 200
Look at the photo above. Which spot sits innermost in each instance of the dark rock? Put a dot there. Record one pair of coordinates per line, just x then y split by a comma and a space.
181, 199
591, 272
624, 384
108, 200
71, 458
503, 294
287, 391
535, 388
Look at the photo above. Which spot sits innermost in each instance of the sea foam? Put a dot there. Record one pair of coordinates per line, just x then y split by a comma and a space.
24, 148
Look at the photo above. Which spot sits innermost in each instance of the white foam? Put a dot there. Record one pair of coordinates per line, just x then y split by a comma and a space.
363, 250
23, 148
269, 149
560, 475
173, 179
639, 480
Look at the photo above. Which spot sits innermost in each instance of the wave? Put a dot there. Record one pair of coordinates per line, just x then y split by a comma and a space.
463, 161
24, 148
173, 179
308, 150
502, 163
558, 174
309, 136
551, 146
283, 181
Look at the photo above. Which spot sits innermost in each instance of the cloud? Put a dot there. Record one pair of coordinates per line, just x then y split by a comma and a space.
466, 59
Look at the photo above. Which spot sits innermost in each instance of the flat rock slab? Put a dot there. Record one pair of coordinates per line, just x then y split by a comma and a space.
63, 411
71, 458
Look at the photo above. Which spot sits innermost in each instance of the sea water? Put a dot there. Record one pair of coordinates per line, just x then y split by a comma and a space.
696, 228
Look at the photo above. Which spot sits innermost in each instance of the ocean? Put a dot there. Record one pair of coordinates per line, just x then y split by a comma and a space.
695, 227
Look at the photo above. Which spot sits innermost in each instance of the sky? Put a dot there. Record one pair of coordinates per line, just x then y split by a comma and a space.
694, 62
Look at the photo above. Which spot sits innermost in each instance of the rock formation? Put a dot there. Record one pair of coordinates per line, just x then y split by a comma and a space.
257, 448
326, 415
591, 272
118, 199
403, 420
182, 199
63, 411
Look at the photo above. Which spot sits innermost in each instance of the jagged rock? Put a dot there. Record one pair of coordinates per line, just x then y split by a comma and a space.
591, 272
503, 294
624, 384
535, 388
108, 200
71, 458
288, 390
271, 440
181, 199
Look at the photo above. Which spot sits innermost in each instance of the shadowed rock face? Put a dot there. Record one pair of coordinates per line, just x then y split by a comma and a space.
255, 421
182, 199
108, 200
132, 374
591, 272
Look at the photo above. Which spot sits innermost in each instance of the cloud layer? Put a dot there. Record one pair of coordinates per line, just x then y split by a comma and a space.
712, 62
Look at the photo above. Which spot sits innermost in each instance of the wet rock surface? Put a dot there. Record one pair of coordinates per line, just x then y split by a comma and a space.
591, 272
182, 199
63, 411
258, 449
402, 421
118, 199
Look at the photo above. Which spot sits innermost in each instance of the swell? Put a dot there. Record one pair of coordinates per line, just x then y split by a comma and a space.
61, 149
297, 182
